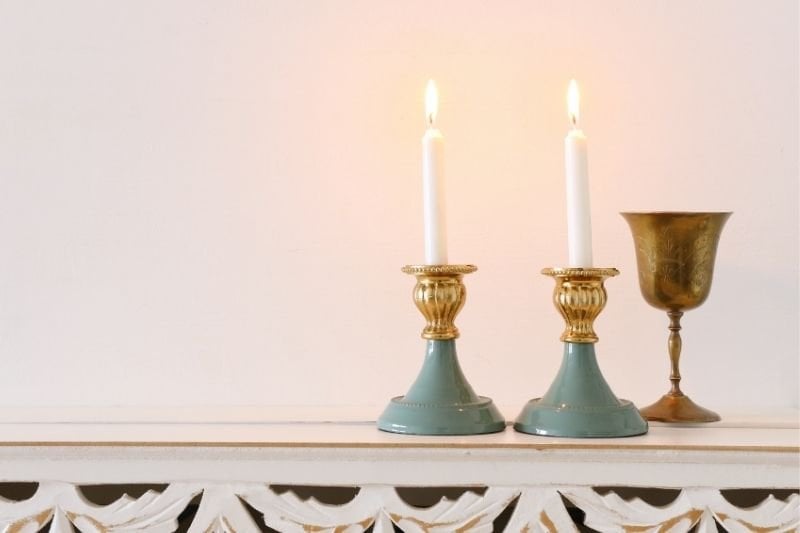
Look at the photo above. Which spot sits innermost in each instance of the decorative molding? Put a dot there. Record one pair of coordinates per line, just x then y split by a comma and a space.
538, 509
692, 507
63, 506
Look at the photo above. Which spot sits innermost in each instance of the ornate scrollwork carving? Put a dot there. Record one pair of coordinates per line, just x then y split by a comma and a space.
537, 509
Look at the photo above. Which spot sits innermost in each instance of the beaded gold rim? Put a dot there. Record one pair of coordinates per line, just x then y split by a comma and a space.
439, 269
576, 272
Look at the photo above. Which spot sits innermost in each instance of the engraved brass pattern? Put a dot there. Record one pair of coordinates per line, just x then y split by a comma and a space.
580, 296
675, 255
439, 294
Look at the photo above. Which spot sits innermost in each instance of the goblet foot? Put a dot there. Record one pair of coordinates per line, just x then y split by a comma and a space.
678, 408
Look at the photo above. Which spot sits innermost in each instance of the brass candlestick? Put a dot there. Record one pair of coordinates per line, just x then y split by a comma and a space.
675, 254
441, 401
580, 402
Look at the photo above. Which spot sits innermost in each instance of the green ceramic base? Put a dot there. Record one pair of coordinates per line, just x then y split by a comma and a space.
580, 403
441, 401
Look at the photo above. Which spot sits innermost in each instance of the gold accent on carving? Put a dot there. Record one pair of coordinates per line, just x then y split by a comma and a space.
469, 525
313, 528
675, 253
546, 522
579, 296
224, 521
41, 519
428, 526
439, 294
366, 522
693, 516
99, 526
756, 529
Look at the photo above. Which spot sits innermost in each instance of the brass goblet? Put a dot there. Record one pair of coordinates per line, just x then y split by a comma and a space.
675, 254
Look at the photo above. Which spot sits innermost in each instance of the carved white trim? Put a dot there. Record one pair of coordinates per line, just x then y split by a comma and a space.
377, 506
63, 504
538, 509
692, 507
541, 509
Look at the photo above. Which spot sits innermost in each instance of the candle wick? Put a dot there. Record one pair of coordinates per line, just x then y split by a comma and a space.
430, 120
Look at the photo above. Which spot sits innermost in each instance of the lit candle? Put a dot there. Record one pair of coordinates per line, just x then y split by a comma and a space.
433, 183
579, 220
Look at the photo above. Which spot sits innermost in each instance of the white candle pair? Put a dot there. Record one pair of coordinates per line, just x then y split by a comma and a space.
579, 227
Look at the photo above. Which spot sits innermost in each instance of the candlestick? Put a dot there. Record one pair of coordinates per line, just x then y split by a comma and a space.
441, 401
433, 190
579, 220
580, 402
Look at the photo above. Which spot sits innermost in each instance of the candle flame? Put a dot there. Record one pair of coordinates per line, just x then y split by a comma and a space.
431, 102
573, 102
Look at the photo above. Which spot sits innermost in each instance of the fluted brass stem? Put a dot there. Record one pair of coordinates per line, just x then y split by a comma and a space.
439, 294
675, 344
580, 296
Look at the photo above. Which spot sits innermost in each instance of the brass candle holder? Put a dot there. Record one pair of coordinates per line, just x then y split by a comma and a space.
580, 403
675, 253
441, 401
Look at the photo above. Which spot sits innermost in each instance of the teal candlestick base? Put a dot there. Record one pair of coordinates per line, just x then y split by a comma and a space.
580, 403
441, 401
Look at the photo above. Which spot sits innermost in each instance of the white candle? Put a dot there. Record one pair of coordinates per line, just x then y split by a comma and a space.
433, 184
579, 220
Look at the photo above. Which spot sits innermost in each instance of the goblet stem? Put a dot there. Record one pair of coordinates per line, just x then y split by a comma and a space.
675, 343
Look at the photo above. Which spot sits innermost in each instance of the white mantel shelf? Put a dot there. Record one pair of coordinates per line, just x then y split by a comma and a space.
244, 451
259, 445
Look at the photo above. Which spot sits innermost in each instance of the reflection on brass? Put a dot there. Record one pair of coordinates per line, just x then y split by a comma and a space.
439, 295
580, 296
675, 255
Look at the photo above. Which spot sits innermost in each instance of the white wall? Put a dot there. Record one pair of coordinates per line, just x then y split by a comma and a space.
208, 203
